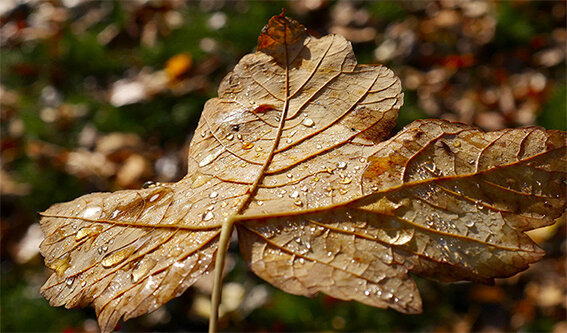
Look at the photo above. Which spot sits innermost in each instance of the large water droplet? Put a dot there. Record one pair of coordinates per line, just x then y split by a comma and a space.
247, 145
469, 223
213, 195
69, 281
308, 122
116, 257
59, 265
396, 237
148, 184
142, 269
115, 213
88, 231
208, 216
91, 212
211, 157
342, 165
387, 295
154, 197
294, 195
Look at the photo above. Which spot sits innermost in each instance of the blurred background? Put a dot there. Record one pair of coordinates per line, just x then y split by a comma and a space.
104, 95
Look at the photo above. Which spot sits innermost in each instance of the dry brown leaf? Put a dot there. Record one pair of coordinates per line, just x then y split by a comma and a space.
292, 153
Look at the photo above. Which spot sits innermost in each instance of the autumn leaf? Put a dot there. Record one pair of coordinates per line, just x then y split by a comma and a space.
294, 154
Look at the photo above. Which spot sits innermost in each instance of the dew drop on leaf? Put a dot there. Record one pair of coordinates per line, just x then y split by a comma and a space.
308, 122
87, 232
247, 145
91, 212
102, 249
69, 281
116, 257
345, 180
208, 216
209, 158
213, 195
148, 184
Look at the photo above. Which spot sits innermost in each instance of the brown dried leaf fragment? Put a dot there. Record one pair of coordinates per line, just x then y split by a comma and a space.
292, 153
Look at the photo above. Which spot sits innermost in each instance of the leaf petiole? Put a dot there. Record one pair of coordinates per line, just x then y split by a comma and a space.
226, 232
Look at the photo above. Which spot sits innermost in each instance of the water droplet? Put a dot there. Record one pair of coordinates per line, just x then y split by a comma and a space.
208, 216
319, 146
397, 236
367, 292
430, 166
142, 269
239, 136
211, 157
387, 295
91, 212
87, 232
148, 184
115, 213
59, 265
478, 204
83, 284
342, 165
213, 195
247, 145
301, 261
294, 195
229, 136
298, 203
116, 257
456, 143
69, 281
345, 180
308, 122
154, 197
260, 203
329, 254
289, 175
469, 223
102, 249
288, 140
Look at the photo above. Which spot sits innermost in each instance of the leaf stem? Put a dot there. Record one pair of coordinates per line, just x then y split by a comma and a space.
226, 232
